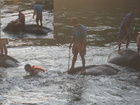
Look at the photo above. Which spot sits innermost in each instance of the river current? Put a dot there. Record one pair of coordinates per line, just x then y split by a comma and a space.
60, 88
52, 53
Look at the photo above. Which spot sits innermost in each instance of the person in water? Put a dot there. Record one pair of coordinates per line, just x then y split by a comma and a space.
3, 48
38, 13
138, 43
20, 22
34, 70
125, 28
79, 42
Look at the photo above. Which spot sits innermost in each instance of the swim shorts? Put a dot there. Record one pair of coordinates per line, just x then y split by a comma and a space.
124, 34
38, 17
79, 47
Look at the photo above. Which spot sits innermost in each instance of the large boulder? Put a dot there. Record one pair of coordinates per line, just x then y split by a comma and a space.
127, 58
96, 70
8, 61
29, 28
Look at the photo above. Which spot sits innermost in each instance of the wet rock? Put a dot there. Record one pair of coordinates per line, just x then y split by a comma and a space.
8, 61
77, 99
29, 28
96, 70
127, 58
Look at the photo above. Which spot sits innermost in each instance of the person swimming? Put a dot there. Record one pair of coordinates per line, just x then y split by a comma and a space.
34, 70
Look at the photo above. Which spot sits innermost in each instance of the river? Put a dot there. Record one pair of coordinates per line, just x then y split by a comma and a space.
9, 12
58, 87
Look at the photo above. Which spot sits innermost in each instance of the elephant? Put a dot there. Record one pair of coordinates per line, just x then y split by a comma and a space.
8, 61
127, 58
29, 28
96, 70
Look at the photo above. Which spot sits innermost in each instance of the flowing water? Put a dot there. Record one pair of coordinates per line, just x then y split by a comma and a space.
9, 12
58, 87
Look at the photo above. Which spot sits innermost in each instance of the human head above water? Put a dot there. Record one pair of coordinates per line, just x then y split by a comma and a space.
74, 21
27, 67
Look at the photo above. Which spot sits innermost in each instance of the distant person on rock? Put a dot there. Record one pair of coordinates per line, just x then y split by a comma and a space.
20, 22
79, 42
34, 70
38, 13
138, 43
125, 28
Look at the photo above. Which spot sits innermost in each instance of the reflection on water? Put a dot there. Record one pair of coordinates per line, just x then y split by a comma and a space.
101, 17
28, 4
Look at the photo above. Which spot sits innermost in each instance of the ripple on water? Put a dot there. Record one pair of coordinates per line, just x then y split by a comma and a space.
60, 87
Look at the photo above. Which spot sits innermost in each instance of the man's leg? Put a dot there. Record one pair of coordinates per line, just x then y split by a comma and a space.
41, 21
120, 42
119, 45
128, 41
82, 51
1, 49
2, 52
73, 61
83, 63
37, 23
5, 49
41, 25
127, 37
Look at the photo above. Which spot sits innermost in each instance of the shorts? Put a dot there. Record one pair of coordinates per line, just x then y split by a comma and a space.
3, 41
79, 48
124, 33
38, 17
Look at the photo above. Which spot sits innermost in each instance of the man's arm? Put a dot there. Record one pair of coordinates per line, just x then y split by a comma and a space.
34, 12
84, 34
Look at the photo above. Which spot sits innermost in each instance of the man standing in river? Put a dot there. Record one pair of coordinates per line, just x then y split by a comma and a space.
38, 13
79, 42
125, 28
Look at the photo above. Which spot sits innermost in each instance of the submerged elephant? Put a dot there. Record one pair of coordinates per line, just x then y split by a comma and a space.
126, 58
8, 61
29, 28
96, 70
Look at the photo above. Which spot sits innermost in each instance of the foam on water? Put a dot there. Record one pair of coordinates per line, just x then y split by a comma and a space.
18, 88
